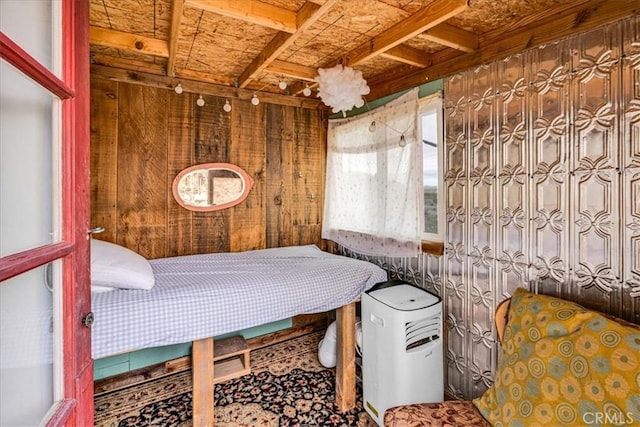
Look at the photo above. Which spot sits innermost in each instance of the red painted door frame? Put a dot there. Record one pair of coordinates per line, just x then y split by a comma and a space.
78, 378
76, 407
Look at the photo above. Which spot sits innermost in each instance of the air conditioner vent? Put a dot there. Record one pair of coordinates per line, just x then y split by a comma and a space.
421, 332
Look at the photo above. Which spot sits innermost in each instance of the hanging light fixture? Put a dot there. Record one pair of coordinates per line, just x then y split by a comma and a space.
307, 90
282, 84
227, 106
341, 88
255, 100
200, 101
178, 88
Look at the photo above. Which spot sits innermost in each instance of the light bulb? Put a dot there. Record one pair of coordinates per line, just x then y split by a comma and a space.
178, 89
227, 106
200, 101
282, 85
307, 90
403, 141
372, 127
255, 100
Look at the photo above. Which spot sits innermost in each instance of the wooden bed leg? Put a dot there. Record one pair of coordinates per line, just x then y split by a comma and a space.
202, 371
346, 357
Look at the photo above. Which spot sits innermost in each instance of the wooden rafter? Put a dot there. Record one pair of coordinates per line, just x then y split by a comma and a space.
426, 18
176, 18
542, 16
198, 86
308, 15
127, 64
129, 42
408, 55
444, 34
295, 71
205, 77
253, 11
158, 54
547, 26
454, 37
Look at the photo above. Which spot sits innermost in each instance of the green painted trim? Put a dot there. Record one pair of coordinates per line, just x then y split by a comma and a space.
109, 366
126, 362
424, 90
268, 328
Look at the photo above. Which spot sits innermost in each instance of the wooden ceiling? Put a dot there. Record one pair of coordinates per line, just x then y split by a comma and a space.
243, 46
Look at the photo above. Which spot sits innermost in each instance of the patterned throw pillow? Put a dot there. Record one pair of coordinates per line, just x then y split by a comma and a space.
563, 365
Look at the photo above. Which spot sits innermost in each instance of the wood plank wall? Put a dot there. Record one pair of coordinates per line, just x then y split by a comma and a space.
142, 136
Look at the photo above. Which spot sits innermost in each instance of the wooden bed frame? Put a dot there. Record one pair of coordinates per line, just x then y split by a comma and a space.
202, 369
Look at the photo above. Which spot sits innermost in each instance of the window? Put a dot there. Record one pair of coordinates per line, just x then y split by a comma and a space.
372, 196
430, 118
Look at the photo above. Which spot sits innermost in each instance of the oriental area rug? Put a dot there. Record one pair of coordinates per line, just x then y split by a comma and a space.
287, 387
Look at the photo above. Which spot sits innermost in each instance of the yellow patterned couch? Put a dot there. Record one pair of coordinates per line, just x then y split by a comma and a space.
559, 365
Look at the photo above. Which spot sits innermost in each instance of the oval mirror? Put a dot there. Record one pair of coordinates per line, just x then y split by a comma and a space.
211, 186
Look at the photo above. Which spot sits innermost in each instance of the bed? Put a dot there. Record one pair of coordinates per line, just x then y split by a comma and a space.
141, 304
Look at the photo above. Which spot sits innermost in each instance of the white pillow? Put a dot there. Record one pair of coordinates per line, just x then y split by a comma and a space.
97, 289
116, 266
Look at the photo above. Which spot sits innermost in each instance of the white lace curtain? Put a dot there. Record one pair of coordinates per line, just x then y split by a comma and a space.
373, 187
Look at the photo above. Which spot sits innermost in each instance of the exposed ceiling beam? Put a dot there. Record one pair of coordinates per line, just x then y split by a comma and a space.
275, 47
176, 18
130, 42
308, 15
252, 11
408, 55
544, 15
196, 86
204, 77
454, 37
426, 18
128, 63
295, 71
550, 25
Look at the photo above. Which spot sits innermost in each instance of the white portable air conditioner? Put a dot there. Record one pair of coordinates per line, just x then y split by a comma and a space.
402, 356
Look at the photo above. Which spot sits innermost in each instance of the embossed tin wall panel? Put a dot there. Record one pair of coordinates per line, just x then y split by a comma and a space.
549, 145
512, 208
543, 204
549, 103
595, 192
512, 110
549, 234
630, 179
631, 110
513, 235
631, 245
432, 269
454, 293
630, 36
455, 301
595, 240
549, 65
456, 212
542, 190
595, 117
413, 272
482, 217
456, 133
596, 48
481, 281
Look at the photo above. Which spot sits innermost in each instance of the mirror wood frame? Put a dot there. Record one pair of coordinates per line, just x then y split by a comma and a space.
247, 181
